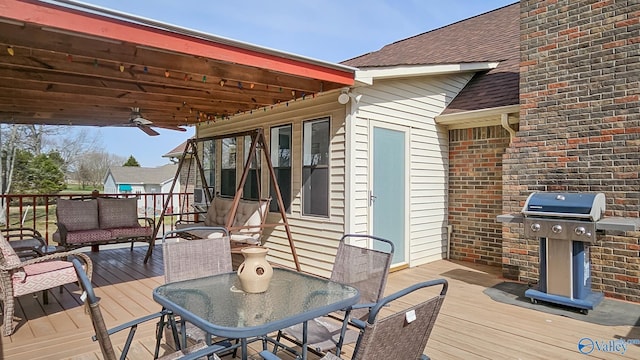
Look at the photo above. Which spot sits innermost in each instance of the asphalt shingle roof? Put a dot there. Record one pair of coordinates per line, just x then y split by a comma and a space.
143, 175
489, 37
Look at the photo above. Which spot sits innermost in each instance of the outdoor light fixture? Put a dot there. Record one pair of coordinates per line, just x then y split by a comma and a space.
346, 95
343, 98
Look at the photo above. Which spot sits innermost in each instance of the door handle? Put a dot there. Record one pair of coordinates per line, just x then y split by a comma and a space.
372, 198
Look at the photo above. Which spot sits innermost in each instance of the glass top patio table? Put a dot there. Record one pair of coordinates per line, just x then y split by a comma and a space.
218, 305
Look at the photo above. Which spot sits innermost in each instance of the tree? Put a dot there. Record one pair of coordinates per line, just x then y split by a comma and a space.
39, 174
131, 161
73, 145
92, 167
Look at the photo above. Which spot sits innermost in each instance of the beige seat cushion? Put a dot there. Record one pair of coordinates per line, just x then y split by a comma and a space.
249, 213
218, 212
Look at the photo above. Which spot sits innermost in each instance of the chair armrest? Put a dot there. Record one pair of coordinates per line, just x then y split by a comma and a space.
21, 233
358, 323
49, 257
362, 306
62, 229
150, 222
209, 350
268, 355
187, 221
132, 323
24, 240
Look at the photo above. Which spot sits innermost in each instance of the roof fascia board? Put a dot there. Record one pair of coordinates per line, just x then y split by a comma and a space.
491, 116
368, 75
153, 34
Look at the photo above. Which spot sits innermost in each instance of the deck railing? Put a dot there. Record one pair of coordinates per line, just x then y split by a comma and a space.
38, 211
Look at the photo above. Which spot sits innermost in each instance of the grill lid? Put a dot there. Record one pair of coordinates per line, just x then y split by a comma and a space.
557, 204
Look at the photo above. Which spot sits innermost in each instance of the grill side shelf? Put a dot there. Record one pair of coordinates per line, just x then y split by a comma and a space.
510, 218
617, 223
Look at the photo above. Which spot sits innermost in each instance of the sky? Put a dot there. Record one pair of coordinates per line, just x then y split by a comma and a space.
328, 30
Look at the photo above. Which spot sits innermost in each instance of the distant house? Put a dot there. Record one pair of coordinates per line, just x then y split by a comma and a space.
190, 175
143, 180
187, 182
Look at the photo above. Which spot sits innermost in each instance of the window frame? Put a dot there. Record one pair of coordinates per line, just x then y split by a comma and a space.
208, 161
255, 166
224, 170
275, 161
317, 166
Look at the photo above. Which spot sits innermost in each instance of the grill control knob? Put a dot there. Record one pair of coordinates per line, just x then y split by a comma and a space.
557, 229
535, 227
580, 230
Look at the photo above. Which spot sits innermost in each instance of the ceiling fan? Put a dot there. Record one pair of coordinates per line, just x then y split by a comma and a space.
136, 119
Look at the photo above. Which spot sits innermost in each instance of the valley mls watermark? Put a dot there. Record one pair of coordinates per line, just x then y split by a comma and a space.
587, 345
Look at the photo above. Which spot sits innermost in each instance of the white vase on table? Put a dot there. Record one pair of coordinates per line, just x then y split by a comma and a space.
255, 272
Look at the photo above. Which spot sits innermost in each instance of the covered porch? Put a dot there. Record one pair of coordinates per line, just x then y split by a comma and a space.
471, 325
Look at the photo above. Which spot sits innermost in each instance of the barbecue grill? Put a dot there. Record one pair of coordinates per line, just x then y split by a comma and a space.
565, 216
565, 224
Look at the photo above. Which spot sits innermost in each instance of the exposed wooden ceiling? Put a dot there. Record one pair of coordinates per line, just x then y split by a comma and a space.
64, 66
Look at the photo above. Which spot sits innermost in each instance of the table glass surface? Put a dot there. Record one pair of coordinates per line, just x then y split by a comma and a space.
217, 303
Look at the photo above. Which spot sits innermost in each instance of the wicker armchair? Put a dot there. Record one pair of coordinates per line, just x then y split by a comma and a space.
19, 277
402, 335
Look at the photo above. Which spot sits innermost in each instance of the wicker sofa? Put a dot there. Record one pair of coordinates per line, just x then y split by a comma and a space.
101, 221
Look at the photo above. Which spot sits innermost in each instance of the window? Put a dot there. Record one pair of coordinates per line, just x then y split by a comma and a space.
208, 168
315, 167
228, 167
252, 185
281, 161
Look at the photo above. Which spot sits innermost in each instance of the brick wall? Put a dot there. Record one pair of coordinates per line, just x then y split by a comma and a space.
475, 193
579, 127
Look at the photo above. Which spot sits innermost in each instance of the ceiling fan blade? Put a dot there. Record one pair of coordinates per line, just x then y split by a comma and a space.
170, 127
149, 131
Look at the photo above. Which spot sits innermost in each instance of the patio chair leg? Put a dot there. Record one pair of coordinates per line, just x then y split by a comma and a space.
170, 322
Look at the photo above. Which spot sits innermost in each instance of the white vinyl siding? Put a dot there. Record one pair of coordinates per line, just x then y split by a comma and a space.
409, 102
413, 103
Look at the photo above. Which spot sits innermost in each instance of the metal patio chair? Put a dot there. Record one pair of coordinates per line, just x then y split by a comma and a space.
402, 335
192, 259
367, 270
198, 351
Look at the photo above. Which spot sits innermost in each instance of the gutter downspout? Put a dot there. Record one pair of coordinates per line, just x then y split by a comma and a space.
449, 232
505, 124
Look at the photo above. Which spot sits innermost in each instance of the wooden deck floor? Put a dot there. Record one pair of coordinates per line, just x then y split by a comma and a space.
470, 326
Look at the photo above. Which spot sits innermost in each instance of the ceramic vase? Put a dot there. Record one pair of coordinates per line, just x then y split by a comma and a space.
255, 272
